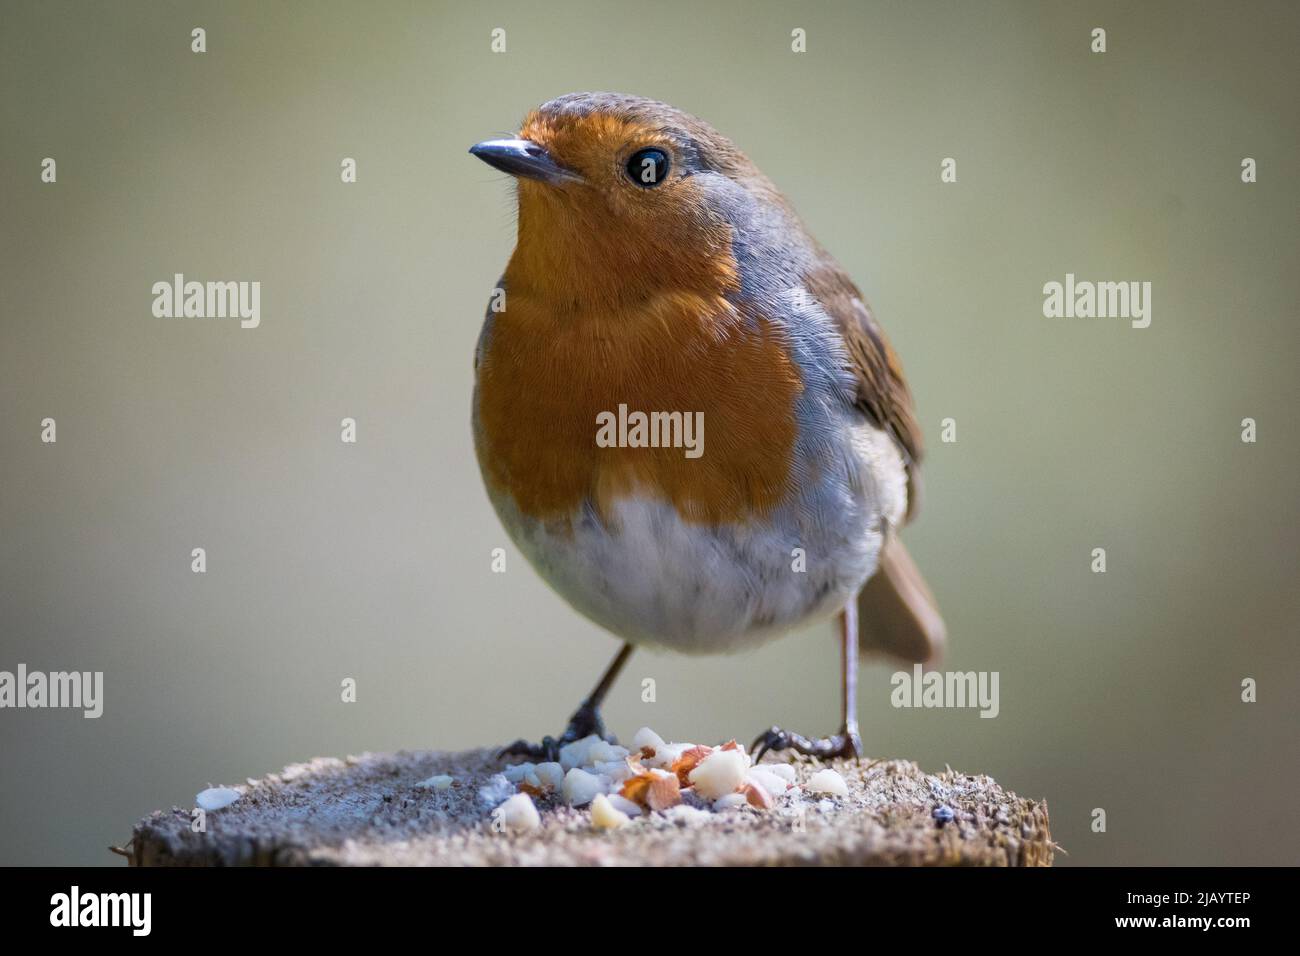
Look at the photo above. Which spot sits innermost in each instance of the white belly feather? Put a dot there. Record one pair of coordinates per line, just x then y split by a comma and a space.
650, 577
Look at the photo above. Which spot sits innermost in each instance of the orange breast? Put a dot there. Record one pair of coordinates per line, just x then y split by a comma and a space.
547, 372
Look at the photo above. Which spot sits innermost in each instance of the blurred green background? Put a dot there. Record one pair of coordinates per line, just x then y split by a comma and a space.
325, 560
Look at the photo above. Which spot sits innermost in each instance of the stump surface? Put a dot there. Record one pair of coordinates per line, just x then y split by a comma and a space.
370, 810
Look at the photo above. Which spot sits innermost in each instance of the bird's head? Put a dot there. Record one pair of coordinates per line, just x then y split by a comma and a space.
621, 196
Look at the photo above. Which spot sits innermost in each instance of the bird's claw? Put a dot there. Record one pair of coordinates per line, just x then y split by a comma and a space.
548, 751
584, 722
846, 743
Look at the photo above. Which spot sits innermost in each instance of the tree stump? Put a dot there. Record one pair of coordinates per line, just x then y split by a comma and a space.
372, 810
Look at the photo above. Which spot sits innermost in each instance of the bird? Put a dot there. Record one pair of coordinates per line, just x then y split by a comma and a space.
760, 451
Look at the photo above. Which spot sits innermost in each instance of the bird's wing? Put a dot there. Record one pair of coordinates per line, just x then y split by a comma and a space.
897, 612
882, 393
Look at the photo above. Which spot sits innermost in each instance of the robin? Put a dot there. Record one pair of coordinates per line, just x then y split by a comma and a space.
685, 413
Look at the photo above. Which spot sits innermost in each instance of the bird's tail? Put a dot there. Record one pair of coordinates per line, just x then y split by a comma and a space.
897, 613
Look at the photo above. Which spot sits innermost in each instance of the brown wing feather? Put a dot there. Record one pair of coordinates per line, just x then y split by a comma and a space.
898, 614
882, 393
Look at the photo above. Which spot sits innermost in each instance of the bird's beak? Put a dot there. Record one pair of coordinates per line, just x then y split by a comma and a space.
519, 157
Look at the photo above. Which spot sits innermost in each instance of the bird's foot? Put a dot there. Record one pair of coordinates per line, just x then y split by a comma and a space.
584, 722
846, 743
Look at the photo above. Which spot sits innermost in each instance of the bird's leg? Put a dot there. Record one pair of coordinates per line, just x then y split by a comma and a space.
846, 743
584, 722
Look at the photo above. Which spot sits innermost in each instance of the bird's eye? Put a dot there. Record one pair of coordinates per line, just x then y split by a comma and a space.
648, 167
